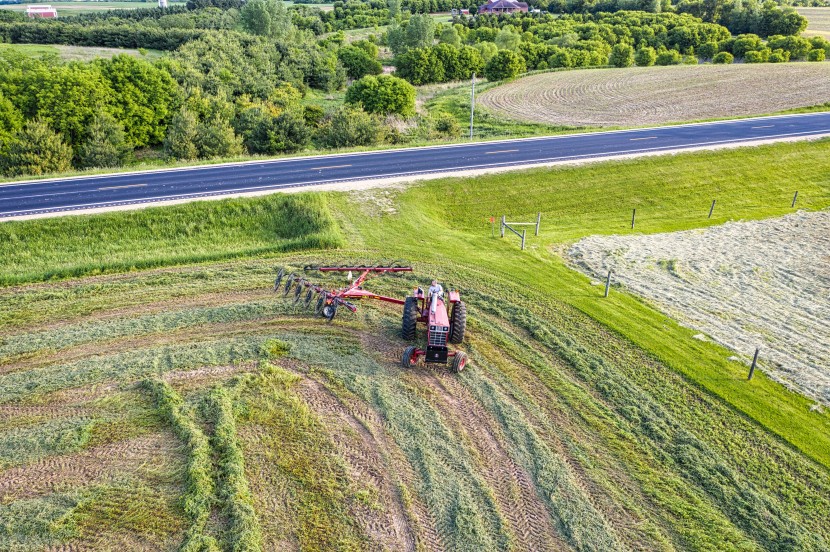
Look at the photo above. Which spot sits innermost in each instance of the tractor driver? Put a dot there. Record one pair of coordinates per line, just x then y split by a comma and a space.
436, 289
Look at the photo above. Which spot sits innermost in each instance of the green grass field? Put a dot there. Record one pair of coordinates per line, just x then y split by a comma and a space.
84, 6
76, 53
583, 423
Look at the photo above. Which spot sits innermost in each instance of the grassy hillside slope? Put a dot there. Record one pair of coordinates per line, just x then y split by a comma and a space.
583, 424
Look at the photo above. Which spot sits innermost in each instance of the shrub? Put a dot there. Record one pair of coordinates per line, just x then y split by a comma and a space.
723, 58
285, 133
779, 56
816, 55
669, 57
180, 142
448, 125
690, 60
35, 150
622, 55
216, 138
383, 94
645, 57
756, 56
350, 126
708, 50
358, 63
505, 65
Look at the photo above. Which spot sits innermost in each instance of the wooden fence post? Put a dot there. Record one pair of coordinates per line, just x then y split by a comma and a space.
794, 198
712, 208
633, 215
607, 283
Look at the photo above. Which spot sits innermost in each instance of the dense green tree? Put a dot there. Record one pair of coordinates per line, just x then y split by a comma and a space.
106, 143
723, 58
418, 32
266, 18
508, 39
504, 65
745, 43
645, 57
622, 55
180, 142
420, 66
35, 150
358, 62
449, 35
216, 138
144, 97
383, 94
350, 126
286, 133
394, 9
70, 96
487, 50
11, 120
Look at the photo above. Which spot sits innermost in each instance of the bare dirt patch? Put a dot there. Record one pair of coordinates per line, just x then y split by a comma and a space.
744, 284
657, 95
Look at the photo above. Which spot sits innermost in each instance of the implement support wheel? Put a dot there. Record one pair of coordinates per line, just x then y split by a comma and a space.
458, 322
459, 361
409, 358
410, 318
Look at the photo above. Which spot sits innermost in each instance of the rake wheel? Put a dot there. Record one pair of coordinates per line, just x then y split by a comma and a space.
298, 291
280, 276
288, 284
308, 297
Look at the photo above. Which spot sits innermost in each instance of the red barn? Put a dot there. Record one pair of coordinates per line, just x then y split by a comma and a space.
498, 7
41, 10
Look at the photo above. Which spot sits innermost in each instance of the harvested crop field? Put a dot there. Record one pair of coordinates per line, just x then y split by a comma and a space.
657, 95
818, 21
744, 284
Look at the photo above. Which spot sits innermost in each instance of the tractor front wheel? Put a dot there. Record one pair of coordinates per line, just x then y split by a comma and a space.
458, 322
410, 318
410, 357
459, 361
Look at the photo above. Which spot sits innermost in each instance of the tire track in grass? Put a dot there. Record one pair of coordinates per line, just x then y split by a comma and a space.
515, 493
466, 515
369, 461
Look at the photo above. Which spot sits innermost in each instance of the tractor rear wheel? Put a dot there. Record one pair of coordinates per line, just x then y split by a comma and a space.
409, 358
458, 322
280, 276
410, 318
459, 361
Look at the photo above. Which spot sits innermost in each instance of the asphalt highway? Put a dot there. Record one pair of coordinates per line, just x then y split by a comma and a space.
55, 196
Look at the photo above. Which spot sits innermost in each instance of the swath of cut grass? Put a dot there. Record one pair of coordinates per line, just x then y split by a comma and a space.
657, 95
193, 232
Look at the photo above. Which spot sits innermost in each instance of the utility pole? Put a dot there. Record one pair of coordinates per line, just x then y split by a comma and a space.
472, 105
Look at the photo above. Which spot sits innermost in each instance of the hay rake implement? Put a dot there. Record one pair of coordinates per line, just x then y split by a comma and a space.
329, 300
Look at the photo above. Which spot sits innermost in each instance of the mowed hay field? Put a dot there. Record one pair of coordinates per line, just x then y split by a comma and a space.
656, 95
818, 21
175, 402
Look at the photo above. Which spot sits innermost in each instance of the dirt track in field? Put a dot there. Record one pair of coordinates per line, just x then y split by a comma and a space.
656, 95
744, 284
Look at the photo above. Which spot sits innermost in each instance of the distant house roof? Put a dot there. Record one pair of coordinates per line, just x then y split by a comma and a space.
503, 6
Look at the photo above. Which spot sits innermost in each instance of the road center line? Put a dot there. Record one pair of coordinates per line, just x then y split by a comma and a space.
329, 167
500, 151
646, 138
121, 187
765, 126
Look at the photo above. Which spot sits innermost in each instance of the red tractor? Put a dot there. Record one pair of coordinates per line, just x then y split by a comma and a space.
431, 309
